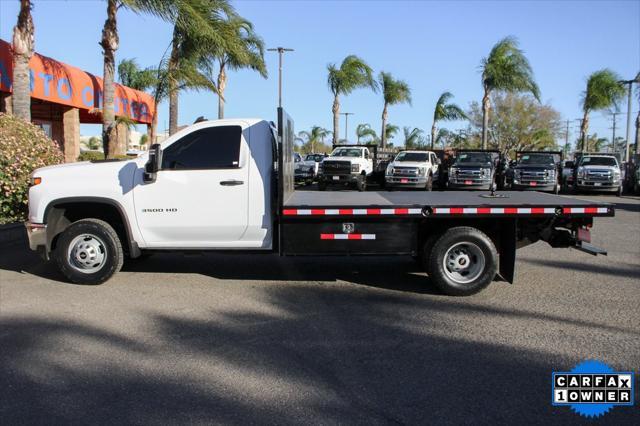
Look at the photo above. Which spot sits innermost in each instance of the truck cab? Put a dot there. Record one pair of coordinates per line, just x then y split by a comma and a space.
347, 165
536, 170
412, 169
598, 172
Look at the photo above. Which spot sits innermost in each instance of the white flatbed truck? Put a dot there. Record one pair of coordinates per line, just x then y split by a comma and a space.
228, 185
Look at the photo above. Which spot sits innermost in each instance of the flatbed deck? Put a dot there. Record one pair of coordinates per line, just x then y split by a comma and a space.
438, 203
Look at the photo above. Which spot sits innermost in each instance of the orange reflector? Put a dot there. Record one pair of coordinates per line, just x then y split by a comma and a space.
36, 181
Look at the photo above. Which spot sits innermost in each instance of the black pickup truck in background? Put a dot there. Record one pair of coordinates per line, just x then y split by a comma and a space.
477, 169
536, 170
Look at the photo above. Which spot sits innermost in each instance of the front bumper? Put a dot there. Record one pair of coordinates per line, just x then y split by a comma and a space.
37, 235
339, 179
406, 182
598, 186
537, 186
468, 184
303, 177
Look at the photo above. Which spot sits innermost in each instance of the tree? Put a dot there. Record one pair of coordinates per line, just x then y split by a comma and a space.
201, 28
144, 139
603, 91
594, 142
94, 143
445, 112
242, 48
520, 123
131, 75
365, 130
23, 46
352, 74
413, 138
390, 130
505, 69
393, 92
109, 43
313, 139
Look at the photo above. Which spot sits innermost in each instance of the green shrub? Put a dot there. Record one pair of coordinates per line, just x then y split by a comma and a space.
23, 148
99, 156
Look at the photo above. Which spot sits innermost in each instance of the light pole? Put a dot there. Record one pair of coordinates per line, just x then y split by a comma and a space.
280, 51
346, 125
629, 84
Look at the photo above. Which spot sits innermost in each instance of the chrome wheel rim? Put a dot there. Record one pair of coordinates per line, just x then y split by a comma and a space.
87, 253
463, 263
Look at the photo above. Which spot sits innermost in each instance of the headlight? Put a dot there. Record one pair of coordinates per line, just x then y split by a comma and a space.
517, 172
453, 170
355, 168
389, 169
581, 172
421, 171
485, 172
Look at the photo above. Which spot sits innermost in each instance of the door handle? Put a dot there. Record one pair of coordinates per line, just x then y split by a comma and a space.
231, 182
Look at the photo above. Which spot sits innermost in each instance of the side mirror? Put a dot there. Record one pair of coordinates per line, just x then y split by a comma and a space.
438, 161
153, 164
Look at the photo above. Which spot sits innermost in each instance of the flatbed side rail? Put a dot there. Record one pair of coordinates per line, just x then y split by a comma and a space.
449, 211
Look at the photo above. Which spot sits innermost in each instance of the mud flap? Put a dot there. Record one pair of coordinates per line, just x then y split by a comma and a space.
507, 249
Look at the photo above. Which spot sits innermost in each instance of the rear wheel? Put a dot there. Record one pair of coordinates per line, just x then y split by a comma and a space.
89, 252
463, 261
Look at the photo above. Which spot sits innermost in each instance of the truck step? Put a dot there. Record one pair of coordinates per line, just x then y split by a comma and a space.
590, 248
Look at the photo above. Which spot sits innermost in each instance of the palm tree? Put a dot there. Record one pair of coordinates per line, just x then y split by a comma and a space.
201, 28
412, 138
109, 43
352, 74
603, 91
445, 112
243, 48
364, 130
314, 136
393, 92
131, 75
505, 69
23, 46
94, 143
390, 130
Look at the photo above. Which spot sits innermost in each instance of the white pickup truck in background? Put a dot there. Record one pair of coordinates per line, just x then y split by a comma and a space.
347, 165
412, 169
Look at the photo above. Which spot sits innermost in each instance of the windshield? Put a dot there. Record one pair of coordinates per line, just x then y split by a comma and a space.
347, 152
473, 157
598, 161
314, 157
412, 156
538, 159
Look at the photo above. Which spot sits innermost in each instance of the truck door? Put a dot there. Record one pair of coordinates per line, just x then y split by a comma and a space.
200, 196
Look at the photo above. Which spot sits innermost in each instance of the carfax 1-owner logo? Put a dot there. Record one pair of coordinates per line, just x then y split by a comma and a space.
592, 388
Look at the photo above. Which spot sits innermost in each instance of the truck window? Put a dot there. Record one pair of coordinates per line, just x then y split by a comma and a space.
209, 148
598, 161
411, 156
366, 154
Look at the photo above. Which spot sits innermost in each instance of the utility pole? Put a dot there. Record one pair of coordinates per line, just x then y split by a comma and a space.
613, 137
629, 84
280, 51
346, 125
566, 139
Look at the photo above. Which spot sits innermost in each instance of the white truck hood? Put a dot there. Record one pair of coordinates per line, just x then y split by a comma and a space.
349, 159
409, 164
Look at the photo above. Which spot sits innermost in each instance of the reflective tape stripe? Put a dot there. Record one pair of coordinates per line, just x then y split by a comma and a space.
347, 236
349, 212
445, 211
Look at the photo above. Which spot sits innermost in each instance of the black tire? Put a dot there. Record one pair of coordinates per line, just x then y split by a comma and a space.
361, 183
322, 185
109, 245
429, 185
469, 239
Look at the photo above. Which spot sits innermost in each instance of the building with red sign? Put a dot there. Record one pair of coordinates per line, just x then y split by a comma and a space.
63, 97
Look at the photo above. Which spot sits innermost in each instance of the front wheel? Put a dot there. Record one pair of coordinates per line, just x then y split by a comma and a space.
361, 184
429, 185
89, 252
463, 261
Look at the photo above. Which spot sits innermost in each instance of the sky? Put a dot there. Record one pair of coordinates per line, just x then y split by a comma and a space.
434, 46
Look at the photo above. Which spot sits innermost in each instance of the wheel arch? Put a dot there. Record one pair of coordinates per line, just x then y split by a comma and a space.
62, 212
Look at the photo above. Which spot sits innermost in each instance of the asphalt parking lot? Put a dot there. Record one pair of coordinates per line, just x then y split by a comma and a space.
260, 339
